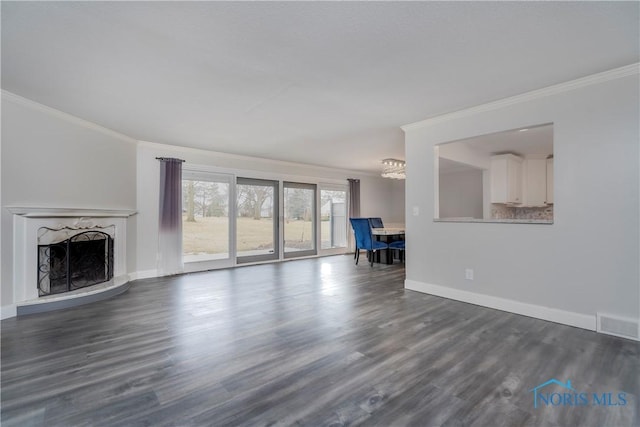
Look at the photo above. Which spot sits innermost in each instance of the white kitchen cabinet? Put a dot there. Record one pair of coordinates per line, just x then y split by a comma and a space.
506, 179
534, 181
549, 181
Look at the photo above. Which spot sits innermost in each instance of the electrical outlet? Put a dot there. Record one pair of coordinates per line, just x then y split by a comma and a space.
468, 274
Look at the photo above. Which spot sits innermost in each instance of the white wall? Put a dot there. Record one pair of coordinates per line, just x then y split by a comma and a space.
50, 159
375, 192
587, 261
461, 194
397, 206
382, 197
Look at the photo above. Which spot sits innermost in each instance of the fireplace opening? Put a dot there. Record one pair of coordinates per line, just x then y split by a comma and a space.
85, 259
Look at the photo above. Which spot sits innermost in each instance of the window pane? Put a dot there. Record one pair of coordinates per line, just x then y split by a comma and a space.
255, 223
333, 215
205, 220
299, 215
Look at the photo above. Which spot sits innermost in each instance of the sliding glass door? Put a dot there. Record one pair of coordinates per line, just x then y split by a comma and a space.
229, 220
299, 219
256, 220
333, 218
206, 228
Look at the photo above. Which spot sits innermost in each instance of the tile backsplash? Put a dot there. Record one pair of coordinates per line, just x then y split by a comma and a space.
500, 211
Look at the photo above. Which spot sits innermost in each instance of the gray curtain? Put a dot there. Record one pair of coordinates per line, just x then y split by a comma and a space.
354, 206
170, 219
354, 198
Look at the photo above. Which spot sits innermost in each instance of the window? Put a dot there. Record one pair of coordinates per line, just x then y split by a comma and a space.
299, 219
257, 220
229, 220
333, 218
205, 216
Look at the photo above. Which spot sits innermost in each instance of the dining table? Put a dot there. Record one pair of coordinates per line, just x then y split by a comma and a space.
387, 235
388, 231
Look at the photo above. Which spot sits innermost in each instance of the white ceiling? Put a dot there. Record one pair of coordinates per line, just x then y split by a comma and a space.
531, 141
449, 166
535, 140
325, 83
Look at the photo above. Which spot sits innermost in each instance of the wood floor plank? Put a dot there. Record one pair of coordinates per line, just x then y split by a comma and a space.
309, 343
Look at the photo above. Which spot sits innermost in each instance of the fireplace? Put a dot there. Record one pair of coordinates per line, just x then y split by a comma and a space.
83, 260
67, 256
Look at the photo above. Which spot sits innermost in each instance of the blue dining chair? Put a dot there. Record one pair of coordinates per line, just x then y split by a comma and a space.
399, 245
376, 223
364, 239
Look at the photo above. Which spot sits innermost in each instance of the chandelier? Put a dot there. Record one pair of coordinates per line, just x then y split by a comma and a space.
393, 168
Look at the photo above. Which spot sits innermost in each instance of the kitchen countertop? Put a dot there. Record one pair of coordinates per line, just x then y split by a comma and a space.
499, 221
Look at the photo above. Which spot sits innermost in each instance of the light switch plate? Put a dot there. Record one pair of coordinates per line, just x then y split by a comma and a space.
416, 211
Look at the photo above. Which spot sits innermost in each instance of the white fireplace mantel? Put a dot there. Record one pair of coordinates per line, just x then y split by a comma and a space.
27, 221
50, 212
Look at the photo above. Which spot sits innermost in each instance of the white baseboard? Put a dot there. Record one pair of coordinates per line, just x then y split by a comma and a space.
146, 274
7, 311
570, 318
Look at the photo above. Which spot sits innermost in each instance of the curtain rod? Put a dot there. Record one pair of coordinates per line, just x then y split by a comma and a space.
169, 158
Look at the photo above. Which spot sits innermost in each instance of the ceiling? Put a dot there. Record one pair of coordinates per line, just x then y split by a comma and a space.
531, 141
326, 83
449, 166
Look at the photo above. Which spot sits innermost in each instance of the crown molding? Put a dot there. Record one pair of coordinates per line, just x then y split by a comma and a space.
17, 99
616, 73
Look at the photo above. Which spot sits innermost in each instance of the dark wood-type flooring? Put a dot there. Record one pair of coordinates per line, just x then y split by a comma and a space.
312, 342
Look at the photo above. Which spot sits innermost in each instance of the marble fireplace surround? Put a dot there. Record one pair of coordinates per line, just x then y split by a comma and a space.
27, 221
